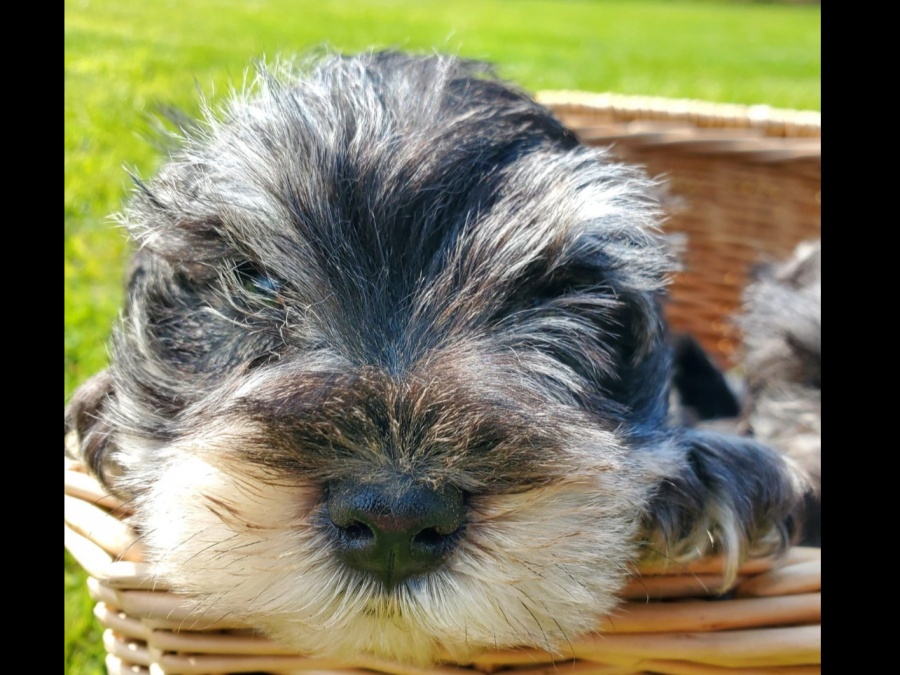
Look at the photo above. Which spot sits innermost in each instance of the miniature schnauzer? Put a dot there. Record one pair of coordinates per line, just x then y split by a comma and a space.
392, 374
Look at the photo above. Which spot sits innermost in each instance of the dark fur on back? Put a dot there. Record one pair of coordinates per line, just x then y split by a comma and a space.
399, 267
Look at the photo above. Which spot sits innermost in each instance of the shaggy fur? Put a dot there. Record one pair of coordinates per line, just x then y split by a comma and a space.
390, 267
782, 326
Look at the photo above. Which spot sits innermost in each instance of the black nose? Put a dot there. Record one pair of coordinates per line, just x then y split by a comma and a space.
394, 531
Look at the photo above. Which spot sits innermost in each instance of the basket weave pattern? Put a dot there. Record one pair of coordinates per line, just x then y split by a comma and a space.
748, 181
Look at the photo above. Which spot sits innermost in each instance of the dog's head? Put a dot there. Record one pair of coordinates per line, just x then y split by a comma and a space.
391, 376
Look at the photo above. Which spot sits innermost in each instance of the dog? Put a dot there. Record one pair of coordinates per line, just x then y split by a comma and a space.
782, 358
392, 375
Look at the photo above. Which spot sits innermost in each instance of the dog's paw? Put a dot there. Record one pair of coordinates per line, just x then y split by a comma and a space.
728, 495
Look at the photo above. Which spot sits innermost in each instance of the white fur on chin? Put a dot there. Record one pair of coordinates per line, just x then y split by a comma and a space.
533, 569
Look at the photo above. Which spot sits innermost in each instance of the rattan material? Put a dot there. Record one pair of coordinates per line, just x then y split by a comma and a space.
746, 182
770, 623
749, 184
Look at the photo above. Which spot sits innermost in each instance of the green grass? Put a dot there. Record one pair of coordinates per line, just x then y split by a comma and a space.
123, 59
84, 652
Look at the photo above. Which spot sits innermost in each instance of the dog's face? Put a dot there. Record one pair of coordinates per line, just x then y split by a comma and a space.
391, 376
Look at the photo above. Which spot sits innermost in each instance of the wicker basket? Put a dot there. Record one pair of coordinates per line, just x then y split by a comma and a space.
749, 182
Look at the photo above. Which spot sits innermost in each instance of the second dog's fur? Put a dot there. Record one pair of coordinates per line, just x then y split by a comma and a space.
782, 328
383, 285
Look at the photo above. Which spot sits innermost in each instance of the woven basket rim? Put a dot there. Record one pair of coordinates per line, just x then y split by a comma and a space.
772, 620
773, 120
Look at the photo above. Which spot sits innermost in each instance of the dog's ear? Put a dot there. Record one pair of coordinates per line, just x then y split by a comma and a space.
729, 495
87, 436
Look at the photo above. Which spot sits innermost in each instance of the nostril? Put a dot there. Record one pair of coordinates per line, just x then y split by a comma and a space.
430, 538
357, 532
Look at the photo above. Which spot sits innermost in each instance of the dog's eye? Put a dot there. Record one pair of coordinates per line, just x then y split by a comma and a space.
259, 283
263, 285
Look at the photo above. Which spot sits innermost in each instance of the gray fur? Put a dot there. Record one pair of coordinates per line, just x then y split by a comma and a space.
782, 326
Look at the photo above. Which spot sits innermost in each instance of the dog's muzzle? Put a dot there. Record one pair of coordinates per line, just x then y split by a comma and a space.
394, 530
